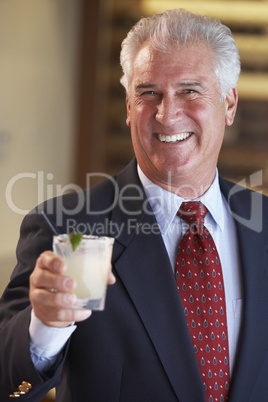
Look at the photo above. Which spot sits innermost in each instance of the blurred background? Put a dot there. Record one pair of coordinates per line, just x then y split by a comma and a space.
62, 109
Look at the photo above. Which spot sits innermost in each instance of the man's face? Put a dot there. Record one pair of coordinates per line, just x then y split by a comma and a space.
176, 117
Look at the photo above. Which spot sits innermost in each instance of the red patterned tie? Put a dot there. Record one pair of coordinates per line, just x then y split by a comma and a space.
200, 283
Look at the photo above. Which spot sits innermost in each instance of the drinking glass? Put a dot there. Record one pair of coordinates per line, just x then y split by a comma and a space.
89, 265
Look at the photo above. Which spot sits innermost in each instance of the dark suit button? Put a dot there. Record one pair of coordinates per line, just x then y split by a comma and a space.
27, 384
15, 395
23, 389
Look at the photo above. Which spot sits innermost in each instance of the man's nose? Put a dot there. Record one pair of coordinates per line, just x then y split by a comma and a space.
169, 111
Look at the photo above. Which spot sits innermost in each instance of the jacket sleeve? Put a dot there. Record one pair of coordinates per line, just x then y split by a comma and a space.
15, 311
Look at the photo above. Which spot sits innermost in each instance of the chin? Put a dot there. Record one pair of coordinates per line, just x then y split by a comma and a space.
175, 168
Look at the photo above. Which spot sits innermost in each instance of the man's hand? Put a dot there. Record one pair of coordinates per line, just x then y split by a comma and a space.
52, 293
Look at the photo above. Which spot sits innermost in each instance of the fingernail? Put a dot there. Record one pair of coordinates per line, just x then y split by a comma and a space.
69, 298
69, 284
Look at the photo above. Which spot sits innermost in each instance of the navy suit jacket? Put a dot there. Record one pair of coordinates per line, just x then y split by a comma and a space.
138, 349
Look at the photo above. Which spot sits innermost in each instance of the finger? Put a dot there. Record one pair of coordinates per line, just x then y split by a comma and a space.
49, 280
50, 261
64, 318
111, 279
52, 299
55, 309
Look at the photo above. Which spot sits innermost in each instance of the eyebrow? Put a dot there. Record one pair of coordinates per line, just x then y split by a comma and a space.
180, 85
145, 86
191, 84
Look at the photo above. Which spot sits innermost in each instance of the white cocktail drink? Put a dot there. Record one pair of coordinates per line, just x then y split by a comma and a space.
89, 265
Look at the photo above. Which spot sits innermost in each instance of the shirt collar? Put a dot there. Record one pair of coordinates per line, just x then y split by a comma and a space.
165, 204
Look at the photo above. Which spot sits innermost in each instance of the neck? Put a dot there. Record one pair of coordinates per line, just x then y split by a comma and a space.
184, 187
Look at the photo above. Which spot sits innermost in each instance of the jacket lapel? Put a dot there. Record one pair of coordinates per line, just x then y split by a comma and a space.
253, 341
158, 303
141, 261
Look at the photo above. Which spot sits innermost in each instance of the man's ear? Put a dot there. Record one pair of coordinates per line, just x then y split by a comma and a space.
231, 105
128, 111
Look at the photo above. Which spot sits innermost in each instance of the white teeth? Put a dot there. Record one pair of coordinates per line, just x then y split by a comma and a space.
173, 138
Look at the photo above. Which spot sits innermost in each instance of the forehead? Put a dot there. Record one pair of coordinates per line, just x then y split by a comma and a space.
185, 61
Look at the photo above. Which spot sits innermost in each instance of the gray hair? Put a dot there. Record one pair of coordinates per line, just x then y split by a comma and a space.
181, 27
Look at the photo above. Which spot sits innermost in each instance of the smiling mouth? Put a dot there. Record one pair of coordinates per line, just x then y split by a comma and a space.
174, 138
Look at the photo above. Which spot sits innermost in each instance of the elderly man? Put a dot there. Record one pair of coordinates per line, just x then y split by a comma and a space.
185, 319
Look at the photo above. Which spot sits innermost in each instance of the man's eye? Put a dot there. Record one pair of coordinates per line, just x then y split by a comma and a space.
190, 91
150, 96
149, 93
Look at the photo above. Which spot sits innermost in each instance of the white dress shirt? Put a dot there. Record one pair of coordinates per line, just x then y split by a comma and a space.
47, 342
220, 223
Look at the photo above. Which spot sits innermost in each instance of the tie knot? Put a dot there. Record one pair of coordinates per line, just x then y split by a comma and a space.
192, 212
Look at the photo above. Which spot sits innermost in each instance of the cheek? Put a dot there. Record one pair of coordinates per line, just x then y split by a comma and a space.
141, 118
206, 115
198, 110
